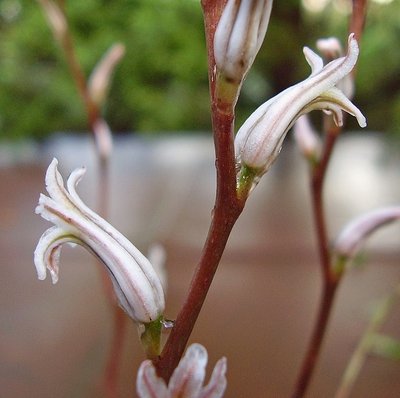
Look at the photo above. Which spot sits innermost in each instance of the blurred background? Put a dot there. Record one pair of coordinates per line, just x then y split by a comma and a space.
161, 84
54, 340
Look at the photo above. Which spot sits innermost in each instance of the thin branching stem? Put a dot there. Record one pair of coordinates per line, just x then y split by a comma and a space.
93, 115
226, 211
331, 279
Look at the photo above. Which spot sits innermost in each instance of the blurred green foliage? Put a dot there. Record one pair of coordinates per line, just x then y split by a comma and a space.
161, 83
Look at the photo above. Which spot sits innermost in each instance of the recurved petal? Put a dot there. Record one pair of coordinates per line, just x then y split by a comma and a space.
314, 60
148, 385
217, 384
336, 96
48, 250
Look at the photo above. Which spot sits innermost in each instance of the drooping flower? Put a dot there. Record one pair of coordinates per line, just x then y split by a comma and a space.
358, 230
239, 35
187, 379
135, 282
259, 140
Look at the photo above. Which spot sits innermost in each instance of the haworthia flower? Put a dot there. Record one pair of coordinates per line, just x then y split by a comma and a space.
187, 379
259, 140
135, 282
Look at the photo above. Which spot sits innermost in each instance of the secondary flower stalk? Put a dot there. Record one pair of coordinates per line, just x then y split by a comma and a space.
259, 141
135, 282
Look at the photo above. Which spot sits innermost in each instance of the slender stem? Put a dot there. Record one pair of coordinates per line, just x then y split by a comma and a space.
358, 17
330, 279
115, 354
226, 211
77, 74
317, 188
93, 116
314, 347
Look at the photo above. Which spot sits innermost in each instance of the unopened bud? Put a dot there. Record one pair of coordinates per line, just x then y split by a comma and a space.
238, 38
99, 80
307, 139
55, 18
358, 230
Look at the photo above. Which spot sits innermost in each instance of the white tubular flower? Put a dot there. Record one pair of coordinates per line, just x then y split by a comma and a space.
187, 379
135, 282
358, 230
239, 35
259, 140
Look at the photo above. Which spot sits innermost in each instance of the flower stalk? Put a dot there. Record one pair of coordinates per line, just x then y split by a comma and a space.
331, 278
226, 211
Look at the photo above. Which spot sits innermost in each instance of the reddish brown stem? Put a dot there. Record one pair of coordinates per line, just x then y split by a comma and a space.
318, 333
115, 354
317, 188
358, 17
226, 211
330, 280
93, 115
77, 74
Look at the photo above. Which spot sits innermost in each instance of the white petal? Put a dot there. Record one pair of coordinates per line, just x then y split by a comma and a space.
148, 385
188, 377
314, 60
47, 252
217, 385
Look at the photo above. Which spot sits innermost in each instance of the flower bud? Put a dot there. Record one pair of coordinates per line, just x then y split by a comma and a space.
357, 231
239, 35
55, 18
99, 80
135, 282
307, 139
